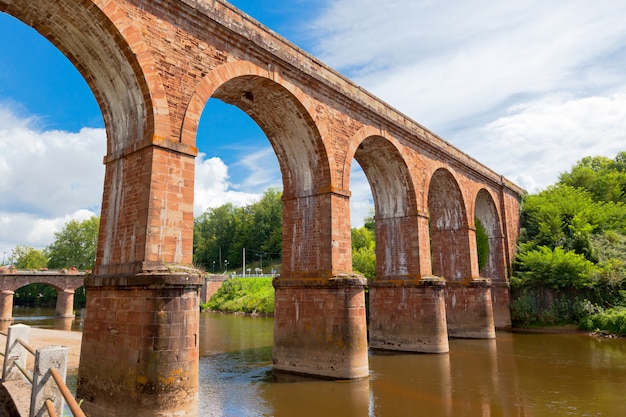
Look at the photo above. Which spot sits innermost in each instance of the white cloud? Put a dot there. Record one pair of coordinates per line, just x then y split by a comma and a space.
527, 88
262, 169
212, 186
539, 140
46, 179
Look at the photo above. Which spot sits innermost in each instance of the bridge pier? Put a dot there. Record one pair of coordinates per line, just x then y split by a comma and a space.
501, 300
6, 307
408, 316
139, 353
320, 327
65, 304
469, 310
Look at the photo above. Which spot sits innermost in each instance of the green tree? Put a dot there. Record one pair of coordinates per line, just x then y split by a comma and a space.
26, 257
364, 262
75, 245
213, 236
603, 178
362, 238
227, 229
561, 216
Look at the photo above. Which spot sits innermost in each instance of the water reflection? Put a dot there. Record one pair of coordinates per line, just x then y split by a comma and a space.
515, 375
44, 318
518, 375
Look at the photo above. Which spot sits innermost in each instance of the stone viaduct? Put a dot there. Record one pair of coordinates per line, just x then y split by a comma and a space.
152, 66
66, 282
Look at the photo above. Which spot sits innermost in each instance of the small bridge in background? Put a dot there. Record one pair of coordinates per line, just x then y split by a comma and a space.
66, 282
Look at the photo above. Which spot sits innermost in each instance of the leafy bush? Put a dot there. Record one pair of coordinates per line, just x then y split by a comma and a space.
612, 321
247, 295
544, 267
482, 244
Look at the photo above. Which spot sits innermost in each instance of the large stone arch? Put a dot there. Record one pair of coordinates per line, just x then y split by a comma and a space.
279, 109
450, 246
495, 270
108, 52
397, 237
486, 211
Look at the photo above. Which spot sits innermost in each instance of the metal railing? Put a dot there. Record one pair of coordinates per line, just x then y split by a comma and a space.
49, 390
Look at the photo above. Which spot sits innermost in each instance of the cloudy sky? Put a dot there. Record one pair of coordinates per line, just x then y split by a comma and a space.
527, 88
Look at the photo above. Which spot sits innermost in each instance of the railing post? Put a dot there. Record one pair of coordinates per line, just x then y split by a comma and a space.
44, 386
15, 352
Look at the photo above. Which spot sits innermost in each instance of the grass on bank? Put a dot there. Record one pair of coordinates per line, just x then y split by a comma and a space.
247, 295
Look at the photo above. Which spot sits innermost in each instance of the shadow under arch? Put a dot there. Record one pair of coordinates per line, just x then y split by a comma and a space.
397, 243
279, 110
486, 211
449, 231
121, 75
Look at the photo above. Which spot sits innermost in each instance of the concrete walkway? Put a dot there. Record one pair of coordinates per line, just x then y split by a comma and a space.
15, 395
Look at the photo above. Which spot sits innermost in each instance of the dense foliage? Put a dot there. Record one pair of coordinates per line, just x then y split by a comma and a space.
364, 249
482, 244
571, 260
248, 295
75, 245
221, 233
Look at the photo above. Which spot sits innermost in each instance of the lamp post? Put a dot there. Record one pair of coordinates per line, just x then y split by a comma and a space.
226, 265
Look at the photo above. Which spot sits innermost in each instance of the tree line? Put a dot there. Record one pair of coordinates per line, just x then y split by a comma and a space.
571, 258
220, 234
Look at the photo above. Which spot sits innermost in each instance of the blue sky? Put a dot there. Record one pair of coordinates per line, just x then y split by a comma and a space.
527, 88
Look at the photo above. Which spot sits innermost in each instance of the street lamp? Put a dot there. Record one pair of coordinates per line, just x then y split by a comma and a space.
226, 265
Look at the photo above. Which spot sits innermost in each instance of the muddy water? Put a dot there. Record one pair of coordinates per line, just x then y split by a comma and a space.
521, 375
514, 375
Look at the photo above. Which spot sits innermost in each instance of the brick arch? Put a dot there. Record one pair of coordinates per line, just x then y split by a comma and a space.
279, 110
449, 229
101, 43
397, 250
59, 285
486, 211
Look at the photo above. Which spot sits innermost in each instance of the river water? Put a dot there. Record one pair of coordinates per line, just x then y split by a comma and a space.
517, 374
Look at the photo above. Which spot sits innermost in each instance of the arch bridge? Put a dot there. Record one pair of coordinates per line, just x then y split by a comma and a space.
65, 281
152, 66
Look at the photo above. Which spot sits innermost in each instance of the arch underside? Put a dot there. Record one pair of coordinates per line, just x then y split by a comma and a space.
448, 228
397, 241
290, 129
485, 210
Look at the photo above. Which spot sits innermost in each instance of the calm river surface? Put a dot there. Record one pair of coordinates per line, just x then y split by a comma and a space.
517, 374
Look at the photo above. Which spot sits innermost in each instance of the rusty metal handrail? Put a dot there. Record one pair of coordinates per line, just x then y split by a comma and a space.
69, 398
27, 346
50, 408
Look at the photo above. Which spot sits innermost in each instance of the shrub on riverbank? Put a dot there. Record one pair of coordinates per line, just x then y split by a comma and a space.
610, 321
247, 295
